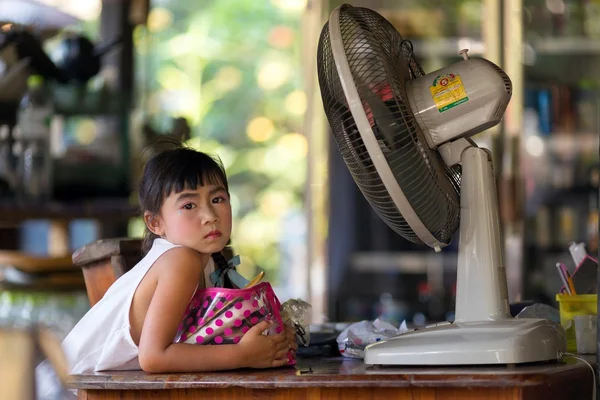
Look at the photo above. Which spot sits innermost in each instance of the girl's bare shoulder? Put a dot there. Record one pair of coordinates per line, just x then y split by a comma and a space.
181, 261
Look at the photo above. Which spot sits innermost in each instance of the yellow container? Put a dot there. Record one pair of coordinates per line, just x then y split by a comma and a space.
570, 306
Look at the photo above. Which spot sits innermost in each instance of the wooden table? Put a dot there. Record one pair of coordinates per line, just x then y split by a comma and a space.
347, 379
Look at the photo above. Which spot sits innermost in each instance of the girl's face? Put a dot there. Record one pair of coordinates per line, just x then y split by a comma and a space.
199, 219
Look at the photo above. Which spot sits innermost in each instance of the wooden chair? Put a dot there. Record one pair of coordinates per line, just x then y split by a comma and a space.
104, 261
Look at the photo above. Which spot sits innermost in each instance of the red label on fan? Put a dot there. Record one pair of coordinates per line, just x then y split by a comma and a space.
448, 92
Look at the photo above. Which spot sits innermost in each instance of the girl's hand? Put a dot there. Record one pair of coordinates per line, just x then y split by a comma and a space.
260, 351
290, 335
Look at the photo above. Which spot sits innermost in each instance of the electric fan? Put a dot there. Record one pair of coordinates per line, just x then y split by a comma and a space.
405, 137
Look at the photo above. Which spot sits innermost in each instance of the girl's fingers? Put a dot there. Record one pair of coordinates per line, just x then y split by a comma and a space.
279, 362
259, 328
278, 339
283, 346
281, 354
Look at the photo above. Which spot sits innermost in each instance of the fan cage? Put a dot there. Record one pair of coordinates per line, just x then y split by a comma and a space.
381, 61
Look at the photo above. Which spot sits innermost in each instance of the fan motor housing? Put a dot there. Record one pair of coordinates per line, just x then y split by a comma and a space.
459, 100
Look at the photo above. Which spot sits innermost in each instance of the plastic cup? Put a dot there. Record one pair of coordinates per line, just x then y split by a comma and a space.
585, 333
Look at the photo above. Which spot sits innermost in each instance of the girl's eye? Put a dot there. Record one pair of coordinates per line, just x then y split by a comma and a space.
218, 199
189, 206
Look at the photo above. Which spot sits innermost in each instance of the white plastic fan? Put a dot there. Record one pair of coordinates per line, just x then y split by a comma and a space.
404, 136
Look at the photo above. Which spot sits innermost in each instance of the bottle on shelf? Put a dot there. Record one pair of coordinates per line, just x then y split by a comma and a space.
34, 170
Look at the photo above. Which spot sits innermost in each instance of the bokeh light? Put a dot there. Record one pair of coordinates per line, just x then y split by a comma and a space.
275, 203
183, 103
86, 131
534, 145
260, 129
172, 78
256, 229
159, 19
295, 102
255, 160
291, 5
293, 145
228, 79
183, 44
274, 73
281, 37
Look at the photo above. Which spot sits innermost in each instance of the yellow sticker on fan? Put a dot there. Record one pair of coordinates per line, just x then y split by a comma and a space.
448, 92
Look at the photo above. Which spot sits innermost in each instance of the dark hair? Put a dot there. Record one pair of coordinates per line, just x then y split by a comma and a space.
174, 170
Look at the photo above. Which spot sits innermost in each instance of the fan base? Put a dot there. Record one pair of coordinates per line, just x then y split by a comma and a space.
509, 341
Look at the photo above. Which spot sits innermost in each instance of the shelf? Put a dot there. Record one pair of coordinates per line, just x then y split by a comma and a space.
567, 46
551, 249
578, 139
407, 262
556, 197
13, 213
71, 100
571, 142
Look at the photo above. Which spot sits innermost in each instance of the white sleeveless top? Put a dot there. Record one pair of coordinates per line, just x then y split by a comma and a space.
101, 340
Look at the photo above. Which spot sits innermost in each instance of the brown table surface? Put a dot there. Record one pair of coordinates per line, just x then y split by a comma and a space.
344, 372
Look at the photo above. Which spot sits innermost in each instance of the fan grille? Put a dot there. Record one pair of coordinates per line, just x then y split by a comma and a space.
381, 62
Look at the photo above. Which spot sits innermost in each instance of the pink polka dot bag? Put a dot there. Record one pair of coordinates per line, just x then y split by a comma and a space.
222, 316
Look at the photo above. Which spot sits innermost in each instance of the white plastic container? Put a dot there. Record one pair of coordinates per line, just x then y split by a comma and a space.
585, 333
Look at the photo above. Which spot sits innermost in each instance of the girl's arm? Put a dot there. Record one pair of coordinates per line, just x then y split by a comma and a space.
178, 275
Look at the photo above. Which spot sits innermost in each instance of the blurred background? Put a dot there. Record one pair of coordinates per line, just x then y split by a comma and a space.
237, 78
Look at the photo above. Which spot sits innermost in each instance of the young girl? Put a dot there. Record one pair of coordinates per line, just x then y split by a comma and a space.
185, 201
